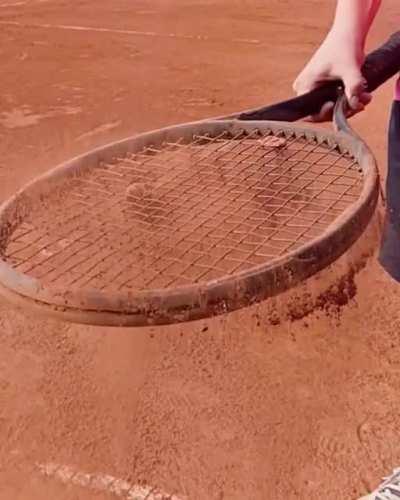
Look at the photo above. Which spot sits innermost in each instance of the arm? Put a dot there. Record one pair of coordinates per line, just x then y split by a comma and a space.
353, 19
341, 54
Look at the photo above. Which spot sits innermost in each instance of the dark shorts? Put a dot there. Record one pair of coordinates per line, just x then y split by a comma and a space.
390, 248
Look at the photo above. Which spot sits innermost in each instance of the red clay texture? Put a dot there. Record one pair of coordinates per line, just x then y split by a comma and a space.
280, 401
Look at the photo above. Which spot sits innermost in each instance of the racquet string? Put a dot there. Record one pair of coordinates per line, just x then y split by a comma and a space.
181, 213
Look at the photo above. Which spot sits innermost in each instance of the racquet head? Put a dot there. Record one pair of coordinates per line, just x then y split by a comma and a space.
186, 222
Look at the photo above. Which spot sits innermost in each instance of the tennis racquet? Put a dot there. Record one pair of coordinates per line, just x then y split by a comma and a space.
193, 220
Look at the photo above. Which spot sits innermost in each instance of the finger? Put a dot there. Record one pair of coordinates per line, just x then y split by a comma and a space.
365, 98
324, 115
359, 104
307, 81
356, 105
326, 112
303, 85
351, 112
354, 84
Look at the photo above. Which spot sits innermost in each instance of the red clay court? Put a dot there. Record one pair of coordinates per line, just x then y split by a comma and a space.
244, 406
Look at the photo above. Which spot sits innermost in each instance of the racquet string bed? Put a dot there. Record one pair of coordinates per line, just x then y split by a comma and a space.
185, 213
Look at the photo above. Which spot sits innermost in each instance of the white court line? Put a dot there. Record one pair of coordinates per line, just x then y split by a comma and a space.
16, 4
203, 38
12, 4
103, 482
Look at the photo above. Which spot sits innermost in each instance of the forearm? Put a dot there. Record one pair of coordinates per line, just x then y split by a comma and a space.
353, 19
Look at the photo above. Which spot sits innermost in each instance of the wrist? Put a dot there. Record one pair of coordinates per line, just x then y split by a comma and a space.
349, 41
352, 22
354, 37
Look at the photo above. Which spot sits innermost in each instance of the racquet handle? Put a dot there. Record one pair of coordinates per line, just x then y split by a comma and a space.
379, 66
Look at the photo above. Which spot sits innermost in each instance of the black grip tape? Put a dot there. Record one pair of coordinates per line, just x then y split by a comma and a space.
379, 66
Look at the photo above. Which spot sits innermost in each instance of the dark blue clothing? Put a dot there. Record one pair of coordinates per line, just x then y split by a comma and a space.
390, 248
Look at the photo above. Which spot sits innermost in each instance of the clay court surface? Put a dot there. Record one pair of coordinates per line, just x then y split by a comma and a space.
254, 405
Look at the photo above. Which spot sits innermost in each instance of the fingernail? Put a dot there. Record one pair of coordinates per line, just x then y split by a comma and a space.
354, 102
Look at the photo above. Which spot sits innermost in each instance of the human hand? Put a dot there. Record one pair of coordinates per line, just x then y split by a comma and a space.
336, 59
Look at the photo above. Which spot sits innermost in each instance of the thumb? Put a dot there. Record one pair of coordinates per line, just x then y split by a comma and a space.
354, 85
